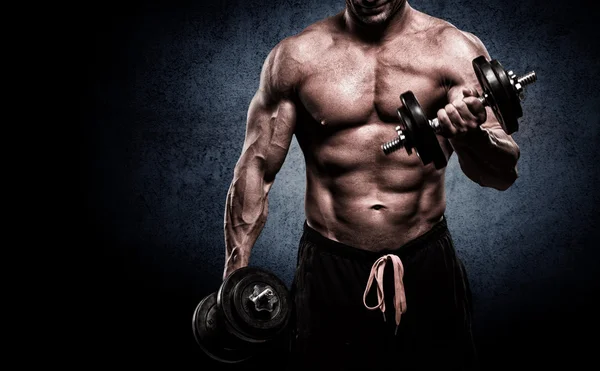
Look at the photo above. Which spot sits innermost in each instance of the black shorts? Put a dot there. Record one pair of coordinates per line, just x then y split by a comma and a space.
333, 330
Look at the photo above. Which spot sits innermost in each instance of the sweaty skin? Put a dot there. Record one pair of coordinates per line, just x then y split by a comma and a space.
336, 86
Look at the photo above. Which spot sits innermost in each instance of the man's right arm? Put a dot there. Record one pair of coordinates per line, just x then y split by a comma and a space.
269, 129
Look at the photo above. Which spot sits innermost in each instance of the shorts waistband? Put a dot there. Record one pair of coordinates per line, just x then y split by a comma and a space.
437, 231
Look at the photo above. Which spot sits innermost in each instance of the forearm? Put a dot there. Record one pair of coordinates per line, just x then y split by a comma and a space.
246, 211
270, 127
488, 156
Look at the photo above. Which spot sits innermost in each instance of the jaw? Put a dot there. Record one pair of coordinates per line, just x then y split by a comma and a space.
377, 16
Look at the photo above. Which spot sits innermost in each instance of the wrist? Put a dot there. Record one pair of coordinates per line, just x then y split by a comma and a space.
236, 258
473, 137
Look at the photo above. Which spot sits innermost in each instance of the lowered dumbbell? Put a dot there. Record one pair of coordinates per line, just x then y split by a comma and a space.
248, 313
502, 91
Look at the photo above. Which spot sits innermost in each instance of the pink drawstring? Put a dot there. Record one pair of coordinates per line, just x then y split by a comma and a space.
399, 296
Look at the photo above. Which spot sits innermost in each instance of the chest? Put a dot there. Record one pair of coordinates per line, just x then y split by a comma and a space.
352, 86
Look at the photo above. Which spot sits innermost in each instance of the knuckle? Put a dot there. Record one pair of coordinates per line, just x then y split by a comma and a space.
459, 103
442, 116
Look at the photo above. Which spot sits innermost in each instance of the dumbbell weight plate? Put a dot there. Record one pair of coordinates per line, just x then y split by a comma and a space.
517, 110
239, 315
211, 336
423, 135
409, 140
413, 134
497, 96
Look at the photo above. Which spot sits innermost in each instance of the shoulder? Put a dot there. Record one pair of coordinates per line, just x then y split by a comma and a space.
445, 38
458, 49
456, 43
312, 41
289, 60
452, 49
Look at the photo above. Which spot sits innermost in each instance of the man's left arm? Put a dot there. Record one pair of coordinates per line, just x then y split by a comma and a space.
486, 153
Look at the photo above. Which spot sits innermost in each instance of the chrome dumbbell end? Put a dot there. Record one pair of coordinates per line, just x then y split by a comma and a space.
394, 144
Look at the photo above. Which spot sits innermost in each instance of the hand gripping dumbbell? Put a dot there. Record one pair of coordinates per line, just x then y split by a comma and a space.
248, 313
502, 91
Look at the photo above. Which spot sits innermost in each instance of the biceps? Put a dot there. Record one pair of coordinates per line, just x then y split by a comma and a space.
269, 132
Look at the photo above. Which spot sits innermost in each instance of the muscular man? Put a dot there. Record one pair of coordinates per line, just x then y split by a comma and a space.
336, 87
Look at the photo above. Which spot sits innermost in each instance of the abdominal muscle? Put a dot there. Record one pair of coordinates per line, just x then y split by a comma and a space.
365, 199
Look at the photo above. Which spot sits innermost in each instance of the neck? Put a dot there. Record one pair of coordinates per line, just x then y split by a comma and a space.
378, 32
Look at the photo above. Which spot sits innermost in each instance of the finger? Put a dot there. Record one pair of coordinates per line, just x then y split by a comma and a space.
477, 108
447, 129
465, 113
455, 118
469, 92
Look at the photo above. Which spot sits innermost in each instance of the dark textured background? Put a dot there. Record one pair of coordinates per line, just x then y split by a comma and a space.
168, 85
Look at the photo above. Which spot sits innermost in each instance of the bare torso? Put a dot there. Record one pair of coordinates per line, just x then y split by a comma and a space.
347, 102
337, 87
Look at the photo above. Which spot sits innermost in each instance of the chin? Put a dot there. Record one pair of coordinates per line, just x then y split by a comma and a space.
370, 17
375, 19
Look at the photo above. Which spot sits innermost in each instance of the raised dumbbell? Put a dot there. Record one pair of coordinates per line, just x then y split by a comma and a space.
248, 313
502, 91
